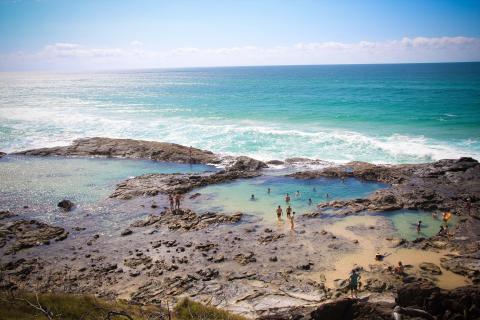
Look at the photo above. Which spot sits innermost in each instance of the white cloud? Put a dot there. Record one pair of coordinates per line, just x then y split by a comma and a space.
136, 43
72, 56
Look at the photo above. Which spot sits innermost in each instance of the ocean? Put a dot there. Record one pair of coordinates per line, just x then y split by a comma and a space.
401, 113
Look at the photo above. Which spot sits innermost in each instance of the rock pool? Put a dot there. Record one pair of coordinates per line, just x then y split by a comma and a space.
43, 182
235, 196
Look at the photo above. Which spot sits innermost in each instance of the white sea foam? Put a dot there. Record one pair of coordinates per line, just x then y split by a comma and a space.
39, 127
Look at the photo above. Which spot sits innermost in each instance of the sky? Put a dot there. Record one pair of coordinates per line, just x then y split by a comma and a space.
65, 35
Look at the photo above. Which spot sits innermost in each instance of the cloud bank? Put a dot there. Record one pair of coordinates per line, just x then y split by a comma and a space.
72, 56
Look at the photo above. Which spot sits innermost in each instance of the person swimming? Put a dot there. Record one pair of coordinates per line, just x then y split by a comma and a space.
279, 213
314, 189
269, 190
287, 198
297, 194
327, 196
252, 198
309, 201
419, 226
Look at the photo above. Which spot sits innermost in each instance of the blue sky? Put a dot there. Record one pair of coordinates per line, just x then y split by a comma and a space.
54, 34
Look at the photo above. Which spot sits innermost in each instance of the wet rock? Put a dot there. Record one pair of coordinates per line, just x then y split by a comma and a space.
243, 163
6, 214
208, 274
442, 304
66, 205
305, 266
275, 162
271, 238
205, 246
22, 234
126, 232
245, 259
2, 154
127, 148
156, 183
430, 268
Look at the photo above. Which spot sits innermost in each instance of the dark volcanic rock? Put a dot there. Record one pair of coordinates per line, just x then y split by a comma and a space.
66, 205
126, 232
128, 148
2, 154
22, 234
454, 304
154, 184
243, 163
442, 185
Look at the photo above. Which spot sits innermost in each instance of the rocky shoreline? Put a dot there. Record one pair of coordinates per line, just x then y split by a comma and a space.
239, 262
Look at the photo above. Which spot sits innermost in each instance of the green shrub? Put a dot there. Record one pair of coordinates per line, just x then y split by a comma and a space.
189, 310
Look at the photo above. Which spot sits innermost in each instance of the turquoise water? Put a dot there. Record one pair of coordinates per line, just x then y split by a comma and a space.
405, 222
35, 181
235, 196
377, 113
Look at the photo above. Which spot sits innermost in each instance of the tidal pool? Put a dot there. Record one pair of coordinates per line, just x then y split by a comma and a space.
235, 196
36, 181
405, 223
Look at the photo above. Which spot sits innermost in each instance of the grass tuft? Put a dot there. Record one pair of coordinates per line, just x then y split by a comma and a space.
189, 310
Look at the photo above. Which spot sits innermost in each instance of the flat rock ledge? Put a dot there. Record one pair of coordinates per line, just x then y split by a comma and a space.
186, 220
22, 234
442, 185
150, 150
154, 184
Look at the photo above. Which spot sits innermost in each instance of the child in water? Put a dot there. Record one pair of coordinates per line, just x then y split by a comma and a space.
292, 225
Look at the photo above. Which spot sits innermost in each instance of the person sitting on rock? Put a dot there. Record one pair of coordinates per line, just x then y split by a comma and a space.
400, 270
441, 232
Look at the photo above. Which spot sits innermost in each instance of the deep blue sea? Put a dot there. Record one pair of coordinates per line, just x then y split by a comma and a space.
379, 113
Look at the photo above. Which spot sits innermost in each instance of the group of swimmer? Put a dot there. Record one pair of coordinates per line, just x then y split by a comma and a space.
174, 200
446, 216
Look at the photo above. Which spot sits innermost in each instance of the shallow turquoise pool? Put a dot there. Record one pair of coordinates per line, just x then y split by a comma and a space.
45, 181
235, 196
405, 223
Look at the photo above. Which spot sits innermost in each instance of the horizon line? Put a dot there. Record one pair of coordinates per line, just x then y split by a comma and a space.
233, 66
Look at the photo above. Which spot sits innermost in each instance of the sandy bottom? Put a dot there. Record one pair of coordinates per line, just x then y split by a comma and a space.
369, 244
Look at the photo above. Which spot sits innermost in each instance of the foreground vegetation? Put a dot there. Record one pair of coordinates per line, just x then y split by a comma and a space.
28, 306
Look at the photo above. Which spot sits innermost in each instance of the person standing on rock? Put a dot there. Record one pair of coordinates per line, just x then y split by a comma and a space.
178, 197
279, 213
172, 201
354, 277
